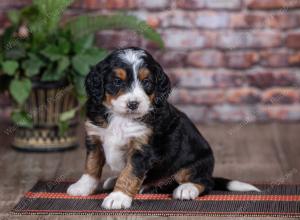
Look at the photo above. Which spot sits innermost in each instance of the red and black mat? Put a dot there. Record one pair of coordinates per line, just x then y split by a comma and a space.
274, 200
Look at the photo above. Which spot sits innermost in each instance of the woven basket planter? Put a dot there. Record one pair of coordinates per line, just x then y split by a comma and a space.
45, 104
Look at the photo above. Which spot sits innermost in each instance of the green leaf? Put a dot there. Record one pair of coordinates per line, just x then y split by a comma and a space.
68, 115
52, 52
48, 74
10, 67
63, 64
64, 45
22, 119
43, 17
15, 51
62, 127
20, 89
51, 12
84, 25
79, 87
51, 74
14, 16
82, 64
32, 16
7, 39
32, 65
64, 119
83, 43
57, 70
95, 55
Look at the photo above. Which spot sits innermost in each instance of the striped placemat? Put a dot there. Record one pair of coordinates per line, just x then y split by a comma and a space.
274, 200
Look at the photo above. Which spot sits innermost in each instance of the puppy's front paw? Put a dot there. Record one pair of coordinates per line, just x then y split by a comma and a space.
85, 186
186, 191
117, 200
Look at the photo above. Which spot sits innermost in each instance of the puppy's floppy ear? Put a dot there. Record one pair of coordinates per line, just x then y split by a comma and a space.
94, 83
163, 86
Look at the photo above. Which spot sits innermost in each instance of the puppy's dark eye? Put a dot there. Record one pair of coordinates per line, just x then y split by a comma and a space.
147, 83
118, 82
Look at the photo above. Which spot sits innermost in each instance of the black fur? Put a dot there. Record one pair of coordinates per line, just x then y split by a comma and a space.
175, 142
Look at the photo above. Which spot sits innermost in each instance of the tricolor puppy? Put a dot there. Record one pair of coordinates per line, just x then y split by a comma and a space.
132, 127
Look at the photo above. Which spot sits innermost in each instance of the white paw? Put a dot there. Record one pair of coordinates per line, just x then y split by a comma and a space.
85, 186
117, 200
186, 191
109, 183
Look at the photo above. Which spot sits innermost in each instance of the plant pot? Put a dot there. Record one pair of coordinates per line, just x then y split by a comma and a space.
45, 104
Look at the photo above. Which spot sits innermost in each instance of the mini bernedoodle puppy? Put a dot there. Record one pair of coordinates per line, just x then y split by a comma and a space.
132, 127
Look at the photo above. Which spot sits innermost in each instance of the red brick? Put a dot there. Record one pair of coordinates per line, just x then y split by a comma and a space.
283, 21
192, 78
209, 4
153, 22
177, 19
272, 4
5, 114
206, 59
195, 113
293, 40
4, 21
281, 95
230, 113
279, 112
237, 20
265, 79
249, 39
274, 58
197, 78
241, 60
4, 100
242, 113
116, 39
243, 95
190, 4
197, 97
170, 58
15, 3
264, 20
211, 20
154, 5
294, 59
224, 4
228, 79
106, 4
188, 39
189, 19
152, 18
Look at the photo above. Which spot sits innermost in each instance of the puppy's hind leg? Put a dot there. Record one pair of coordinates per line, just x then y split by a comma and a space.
89, 181
188, 187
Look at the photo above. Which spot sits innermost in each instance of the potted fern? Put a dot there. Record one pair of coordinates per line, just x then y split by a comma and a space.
43, 63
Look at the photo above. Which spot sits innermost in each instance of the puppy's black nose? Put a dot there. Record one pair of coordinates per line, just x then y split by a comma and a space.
133, 105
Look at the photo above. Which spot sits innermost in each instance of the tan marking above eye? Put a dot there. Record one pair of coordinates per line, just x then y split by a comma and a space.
121, 73
143, 73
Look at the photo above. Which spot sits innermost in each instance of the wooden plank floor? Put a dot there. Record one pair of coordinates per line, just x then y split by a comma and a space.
249, 152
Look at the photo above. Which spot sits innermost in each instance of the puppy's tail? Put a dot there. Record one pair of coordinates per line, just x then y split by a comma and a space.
233, 185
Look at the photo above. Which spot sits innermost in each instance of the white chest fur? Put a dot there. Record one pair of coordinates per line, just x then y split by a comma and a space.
115, 138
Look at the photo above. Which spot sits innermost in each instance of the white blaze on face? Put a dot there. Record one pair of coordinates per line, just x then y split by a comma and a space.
136, 92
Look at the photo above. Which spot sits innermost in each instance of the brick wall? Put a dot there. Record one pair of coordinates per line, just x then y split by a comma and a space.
229, 60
